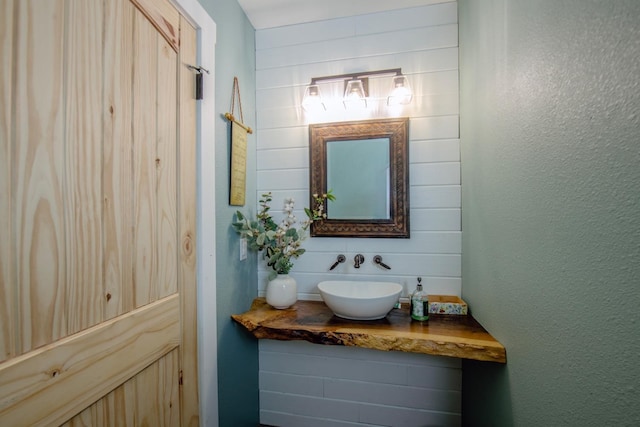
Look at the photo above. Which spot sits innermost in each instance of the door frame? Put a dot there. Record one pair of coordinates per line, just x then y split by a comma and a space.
206, 238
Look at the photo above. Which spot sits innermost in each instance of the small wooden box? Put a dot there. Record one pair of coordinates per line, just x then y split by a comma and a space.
447, 304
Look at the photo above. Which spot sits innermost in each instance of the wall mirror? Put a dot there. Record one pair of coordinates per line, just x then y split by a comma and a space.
366, 165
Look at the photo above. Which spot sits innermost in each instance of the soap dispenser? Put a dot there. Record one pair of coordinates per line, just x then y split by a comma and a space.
419, 303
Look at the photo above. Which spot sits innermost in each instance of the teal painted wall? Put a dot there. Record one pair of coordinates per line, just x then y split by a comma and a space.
236, 280
550, 135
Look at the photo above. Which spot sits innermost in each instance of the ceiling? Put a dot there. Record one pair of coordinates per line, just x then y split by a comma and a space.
277, 13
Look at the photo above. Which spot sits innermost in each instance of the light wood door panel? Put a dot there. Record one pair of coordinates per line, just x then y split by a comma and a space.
7, 291
123, 406
97, 214
164, 17
187, 225
38, 169
166, 172
117, 172
83, 157
145, 86
57, 381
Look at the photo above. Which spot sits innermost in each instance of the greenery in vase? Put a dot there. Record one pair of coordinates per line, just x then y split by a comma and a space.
279, 242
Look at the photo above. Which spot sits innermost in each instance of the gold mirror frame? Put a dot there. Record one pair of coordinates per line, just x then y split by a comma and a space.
397, 130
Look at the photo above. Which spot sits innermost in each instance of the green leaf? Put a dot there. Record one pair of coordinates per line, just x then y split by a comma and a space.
293, 233
298, 252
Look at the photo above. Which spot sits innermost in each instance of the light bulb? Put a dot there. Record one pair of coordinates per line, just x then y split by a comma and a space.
354, 95
401, 93
312, 100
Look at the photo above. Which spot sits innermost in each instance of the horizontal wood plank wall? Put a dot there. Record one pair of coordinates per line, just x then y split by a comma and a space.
309, 384
423, 42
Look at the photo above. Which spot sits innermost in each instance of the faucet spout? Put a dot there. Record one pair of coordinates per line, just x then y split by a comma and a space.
359, 259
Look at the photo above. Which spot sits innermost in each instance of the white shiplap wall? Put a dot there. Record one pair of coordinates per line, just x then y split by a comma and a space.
423, 42
304, 384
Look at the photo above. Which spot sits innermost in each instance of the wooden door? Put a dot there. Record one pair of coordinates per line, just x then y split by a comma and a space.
97, 214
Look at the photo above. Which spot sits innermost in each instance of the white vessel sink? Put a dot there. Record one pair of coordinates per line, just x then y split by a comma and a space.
360, 300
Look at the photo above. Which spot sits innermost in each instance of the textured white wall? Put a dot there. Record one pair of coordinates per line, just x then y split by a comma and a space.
424, 43
550, 128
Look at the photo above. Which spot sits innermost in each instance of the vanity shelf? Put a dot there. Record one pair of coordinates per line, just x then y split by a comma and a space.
313, 321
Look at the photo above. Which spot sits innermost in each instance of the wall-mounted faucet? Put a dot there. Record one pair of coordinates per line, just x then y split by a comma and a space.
341, 258
359, 259
378, 260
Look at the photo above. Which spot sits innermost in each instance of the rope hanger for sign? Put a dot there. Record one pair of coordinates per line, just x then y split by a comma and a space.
230, 116
239, 131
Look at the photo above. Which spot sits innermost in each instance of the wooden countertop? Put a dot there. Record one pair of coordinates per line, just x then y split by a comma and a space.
313, 321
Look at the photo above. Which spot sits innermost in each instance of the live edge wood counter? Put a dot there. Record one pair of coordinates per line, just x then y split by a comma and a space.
313, 321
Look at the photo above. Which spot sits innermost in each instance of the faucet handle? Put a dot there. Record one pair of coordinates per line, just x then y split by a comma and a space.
378, 260
341, 258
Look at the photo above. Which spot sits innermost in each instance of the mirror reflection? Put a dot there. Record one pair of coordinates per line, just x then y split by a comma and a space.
358, 174
365, 164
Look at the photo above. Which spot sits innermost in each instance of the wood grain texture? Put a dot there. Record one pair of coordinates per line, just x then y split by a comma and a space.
83, 157
145, 75
169, 388
164, 17
150, 398
38, 169
157, 397
187, 279
90, 218
7, 290
313, 321
118, 293
86, 366
166, 170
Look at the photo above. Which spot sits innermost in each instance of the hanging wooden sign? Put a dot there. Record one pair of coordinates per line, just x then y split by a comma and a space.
238, 178
238, 165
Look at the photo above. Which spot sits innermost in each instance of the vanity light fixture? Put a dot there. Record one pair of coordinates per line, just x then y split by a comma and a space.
355, 94
312, 100
356, 90
401, 93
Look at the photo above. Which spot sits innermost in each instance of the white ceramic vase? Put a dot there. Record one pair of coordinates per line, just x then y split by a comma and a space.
282, 292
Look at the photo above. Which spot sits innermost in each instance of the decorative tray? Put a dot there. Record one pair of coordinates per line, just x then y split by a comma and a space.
447, 304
